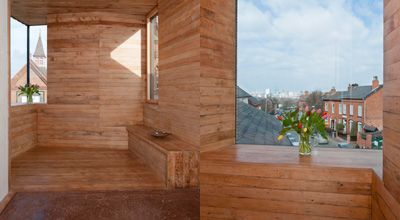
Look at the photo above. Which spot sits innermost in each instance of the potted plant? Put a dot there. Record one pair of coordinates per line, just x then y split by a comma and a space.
307, 124
29, 90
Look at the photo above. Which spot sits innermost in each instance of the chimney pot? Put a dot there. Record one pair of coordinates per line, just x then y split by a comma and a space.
375, 82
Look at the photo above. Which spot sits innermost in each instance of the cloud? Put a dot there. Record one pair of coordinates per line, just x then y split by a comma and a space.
306, 45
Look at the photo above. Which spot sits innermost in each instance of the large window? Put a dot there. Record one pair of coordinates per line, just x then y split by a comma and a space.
320, 54
30, 40
152, 57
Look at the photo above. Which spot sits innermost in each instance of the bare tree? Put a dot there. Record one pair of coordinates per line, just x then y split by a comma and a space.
315, 99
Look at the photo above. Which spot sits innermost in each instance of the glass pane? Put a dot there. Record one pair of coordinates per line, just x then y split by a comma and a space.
18, 59
38, 65
153, 74
317, 55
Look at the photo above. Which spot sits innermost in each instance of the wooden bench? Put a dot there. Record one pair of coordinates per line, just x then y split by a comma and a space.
175, 162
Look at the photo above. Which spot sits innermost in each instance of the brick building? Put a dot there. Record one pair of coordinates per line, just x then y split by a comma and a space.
362, 105
38, 75
303, 100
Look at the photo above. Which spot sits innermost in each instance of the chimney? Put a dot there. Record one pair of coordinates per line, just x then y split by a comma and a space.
333, 90
306, 93
352, 86
375, 83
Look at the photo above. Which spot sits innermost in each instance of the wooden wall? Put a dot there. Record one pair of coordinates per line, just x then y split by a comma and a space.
96, 79
273, 191
391, 98
197, 72
384, 206
178, 108
23, 128
217, 73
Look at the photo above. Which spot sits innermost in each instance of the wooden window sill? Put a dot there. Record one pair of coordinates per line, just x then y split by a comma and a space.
289, 156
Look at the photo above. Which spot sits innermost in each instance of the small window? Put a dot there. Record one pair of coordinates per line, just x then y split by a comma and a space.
359, 110
344, 109
152, 56
351, 110
359, 127
340, 108
326, 107
333, 108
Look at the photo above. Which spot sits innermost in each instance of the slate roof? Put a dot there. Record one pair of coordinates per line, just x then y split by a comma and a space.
240, 93
254, 126
358, 93
39, 51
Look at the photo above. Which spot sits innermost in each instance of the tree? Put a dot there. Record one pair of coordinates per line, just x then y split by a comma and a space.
315, 99
353, 129
288, 103
340, 127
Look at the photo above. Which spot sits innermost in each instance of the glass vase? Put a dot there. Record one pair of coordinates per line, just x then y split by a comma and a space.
30, 99
306, 144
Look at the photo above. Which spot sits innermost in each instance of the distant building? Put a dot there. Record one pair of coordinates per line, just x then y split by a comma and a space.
303, 100
38, 75
245, 97
361, 106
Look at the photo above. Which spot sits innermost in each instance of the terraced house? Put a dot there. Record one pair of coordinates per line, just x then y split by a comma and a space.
360, 106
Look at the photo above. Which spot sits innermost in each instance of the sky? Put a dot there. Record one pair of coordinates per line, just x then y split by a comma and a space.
19, 41
309, 45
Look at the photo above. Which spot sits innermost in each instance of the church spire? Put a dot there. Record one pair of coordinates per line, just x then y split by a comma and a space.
39, 51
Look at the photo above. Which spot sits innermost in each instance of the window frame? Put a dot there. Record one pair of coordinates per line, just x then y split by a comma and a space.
326, 106
333, 107
340, 109
359, 111
351, 110
344, 111
149, 53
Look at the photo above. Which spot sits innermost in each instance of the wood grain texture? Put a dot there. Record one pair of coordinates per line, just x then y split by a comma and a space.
34, 12
174, 162
384, 206
96, 80
217, 73
391, 114
178, 108
23, 128
68, 169
267, 182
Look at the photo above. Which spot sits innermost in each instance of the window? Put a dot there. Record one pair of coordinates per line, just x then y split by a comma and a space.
37, 50
344, 109
359, 127
351, 110
359, 110
285, 52
152, 56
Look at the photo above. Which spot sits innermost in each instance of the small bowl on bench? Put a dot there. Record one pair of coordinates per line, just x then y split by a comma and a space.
159, 134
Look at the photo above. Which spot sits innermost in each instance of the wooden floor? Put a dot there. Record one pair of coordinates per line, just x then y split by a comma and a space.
275, 182
65, 169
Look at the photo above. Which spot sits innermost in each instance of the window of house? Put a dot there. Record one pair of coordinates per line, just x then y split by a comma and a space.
351, 109
276, 58
22, 71
344, 109
152, 56
359, 127
359, 110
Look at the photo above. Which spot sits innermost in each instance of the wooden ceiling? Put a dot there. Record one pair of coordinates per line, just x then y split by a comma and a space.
34, 12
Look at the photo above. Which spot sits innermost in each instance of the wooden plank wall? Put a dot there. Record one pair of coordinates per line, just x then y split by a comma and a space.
267, 191
178, 106
391, 98
217, 73
197, 73
23, 132
384, 206
96, 79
